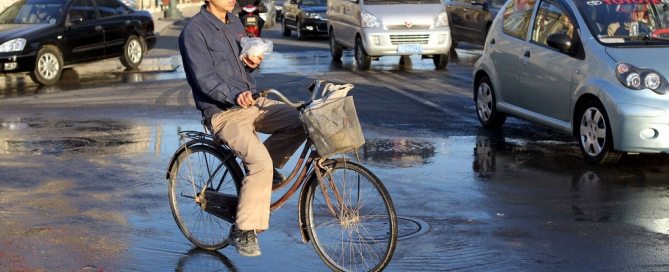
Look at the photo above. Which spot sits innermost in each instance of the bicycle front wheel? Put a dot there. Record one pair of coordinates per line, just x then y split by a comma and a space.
195, 168
351, 219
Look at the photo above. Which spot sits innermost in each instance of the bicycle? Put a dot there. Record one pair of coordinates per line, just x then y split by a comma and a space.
343, 209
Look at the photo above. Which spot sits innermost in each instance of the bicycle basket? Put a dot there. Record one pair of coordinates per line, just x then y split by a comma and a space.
333, 126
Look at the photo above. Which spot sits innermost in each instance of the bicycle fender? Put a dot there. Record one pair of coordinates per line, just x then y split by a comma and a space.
189, 144
302, 216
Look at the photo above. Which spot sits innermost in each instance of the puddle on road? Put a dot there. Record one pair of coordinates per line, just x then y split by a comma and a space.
93, 173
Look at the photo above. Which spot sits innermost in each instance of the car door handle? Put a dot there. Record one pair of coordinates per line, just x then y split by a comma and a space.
527, 54
98, 28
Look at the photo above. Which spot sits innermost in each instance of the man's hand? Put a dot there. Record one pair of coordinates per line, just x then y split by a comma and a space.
245, 99
252, 61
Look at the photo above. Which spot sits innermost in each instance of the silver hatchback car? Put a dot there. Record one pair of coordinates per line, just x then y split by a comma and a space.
594, 68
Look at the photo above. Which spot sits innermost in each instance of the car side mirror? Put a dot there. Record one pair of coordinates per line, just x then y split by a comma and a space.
560, 41
75, 19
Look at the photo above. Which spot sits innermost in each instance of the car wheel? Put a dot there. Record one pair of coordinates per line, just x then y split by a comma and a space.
336, 50
48, 66
595, 137
300, 32
361, 58
486, 109
286, 30
440, 61
133, 52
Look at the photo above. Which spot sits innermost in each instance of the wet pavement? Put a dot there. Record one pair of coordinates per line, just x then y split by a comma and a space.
82, 177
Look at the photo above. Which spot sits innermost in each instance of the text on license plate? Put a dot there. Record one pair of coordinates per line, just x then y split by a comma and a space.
409, 49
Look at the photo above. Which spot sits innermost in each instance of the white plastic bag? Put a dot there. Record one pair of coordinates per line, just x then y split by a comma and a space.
254, 47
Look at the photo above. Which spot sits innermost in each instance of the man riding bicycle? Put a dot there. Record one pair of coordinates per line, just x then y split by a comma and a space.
223, 88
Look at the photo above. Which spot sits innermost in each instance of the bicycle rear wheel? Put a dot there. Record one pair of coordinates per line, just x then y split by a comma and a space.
351, 219
188, 175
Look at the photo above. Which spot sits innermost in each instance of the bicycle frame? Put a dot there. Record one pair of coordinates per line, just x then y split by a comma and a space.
304, 166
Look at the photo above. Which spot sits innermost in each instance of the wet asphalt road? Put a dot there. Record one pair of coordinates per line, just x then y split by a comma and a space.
82, 175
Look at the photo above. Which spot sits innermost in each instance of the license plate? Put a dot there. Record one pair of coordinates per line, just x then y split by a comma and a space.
251, 20
412, 49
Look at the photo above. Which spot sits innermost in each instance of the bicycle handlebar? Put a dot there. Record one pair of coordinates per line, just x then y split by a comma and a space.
281, 97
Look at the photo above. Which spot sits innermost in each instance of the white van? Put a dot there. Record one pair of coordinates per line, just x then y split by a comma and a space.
375, 28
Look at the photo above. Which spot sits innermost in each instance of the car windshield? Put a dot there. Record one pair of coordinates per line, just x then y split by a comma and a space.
389, 2
32, 12
617, 22
314, 2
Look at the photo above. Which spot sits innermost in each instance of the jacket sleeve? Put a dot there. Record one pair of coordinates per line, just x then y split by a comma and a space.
197, 60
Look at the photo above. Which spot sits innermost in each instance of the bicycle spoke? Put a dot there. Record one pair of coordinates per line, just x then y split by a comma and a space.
361, 233
201, 170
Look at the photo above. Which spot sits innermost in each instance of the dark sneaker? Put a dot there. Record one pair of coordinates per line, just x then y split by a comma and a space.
245, 241
277, 177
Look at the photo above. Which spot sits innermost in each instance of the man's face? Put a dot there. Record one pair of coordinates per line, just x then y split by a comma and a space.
222, 5
638, 14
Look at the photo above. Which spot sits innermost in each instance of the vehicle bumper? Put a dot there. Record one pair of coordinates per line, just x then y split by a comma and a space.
151, 41
643, 129
13, 62
380, 42
315, 26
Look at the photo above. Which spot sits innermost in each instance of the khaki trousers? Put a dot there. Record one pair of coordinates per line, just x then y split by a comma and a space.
237, 128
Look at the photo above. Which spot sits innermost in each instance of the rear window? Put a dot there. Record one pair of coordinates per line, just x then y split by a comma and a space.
517, 17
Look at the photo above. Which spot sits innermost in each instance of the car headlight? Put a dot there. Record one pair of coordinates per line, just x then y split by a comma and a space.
637, 78
442, 19
311, 15
13, 45
369, 20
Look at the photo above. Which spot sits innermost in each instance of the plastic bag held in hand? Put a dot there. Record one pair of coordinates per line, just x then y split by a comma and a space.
256, 47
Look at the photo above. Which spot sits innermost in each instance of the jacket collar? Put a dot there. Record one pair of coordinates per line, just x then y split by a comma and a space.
213, 20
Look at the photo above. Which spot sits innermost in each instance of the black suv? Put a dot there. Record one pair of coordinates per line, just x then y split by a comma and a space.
44, 36
470, 20
305, 17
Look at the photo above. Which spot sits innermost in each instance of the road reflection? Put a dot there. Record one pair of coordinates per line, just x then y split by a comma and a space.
198, 259
397, 152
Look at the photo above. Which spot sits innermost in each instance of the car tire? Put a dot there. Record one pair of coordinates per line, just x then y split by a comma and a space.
299, 31
133, 52
440, 61
286, 30
336, 50
48, 66
595, 137
486, 107
363, 60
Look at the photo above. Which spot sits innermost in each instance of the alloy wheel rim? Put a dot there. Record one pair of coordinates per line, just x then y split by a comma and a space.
593, 131
484, 102
48, 66
134, 51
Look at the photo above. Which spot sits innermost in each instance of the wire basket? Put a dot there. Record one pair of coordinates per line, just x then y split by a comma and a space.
333, 126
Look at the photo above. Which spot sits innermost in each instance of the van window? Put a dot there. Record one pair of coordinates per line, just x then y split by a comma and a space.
390, 2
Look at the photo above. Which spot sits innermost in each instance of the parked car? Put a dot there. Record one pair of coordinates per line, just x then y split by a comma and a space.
44, 36
470, 20
375, 28
305, 17
558, 63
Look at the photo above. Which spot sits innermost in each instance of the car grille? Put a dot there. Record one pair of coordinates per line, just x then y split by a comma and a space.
410, 39
404, 27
